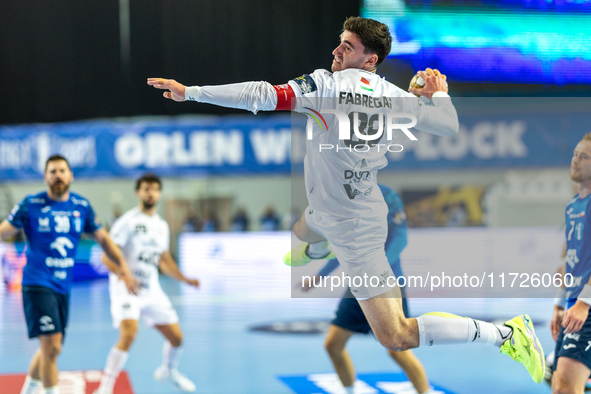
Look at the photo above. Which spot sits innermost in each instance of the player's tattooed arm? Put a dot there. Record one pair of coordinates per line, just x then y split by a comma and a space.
118, 263
7, 230
169, 268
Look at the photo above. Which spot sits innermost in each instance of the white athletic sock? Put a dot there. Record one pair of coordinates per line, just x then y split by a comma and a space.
350, 389
318, 250
31, 385
52, 390
430, 391
445, 328
171, 356
115, 362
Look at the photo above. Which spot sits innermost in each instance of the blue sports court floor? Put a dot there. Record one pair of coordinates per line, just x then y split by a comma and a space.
223, 356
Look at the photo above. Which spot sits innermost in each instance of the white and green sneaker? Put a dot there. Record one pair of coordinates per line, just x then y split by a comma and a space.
524, 346
298, 257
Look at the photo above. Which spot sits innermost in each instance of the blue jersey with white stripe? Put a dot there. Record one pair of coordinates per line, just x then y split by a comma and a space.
53, 229
397, 237
578, 245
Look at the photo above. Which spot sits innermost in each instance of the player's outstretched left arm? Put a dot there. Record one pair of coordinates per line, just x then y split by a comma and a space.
251, 96
169, 267
113, 252
7, 230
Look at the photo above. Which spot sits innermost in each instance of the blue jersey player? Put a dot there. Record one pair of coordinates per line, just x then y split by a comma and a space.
53, 222
350, 319
571, 323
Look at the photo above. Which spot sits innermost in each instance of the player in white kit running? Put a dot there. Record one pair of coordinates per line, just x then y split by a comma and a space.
347, 212
144, 239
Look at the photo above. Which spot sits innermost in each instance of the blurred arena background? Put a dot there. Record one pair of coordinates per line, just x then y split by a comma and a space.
74, 82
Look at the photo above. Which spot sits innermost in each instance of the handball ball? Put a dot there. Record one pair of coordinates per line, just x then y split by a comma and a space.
417, 82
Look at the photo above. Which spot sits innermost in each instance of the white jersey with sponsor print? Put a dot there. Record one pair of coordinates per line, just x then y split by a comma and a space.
341, 174
142, 240
341, 183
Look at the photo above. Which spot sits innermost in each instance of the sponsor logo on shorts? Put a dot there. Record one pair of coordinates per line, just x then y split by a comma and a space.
569, 346
574, 337
46, 324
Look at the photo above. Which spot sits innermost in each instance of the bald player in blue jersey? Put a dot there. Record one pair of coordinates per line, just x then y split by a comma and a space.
349, 318
571, 322
53, 222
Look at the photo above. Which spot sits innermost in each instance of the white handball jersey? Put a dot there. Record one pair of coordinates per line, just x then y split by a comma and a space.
342, 182
142, 240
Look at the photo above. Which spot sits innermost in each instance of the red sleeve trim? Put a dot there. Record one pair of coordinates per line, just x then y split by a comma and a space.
285, 97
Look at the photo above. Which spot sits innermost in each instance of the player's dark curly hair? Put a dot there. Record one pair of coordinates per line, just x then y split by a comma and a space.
374, 35
148, 178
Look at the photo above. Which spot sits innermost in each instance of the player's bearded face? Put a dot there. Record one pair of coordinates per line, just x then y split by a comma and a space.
58, 177
349, 53
149, 194
580, 167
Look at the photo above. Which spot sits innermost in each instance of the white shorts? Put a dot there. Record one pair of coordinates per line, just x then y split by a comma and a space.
153, 306
358, 244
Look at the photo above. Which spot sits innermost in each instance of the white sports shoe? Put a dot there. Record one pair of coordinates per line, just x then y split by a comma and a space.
180, 381
161, 374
